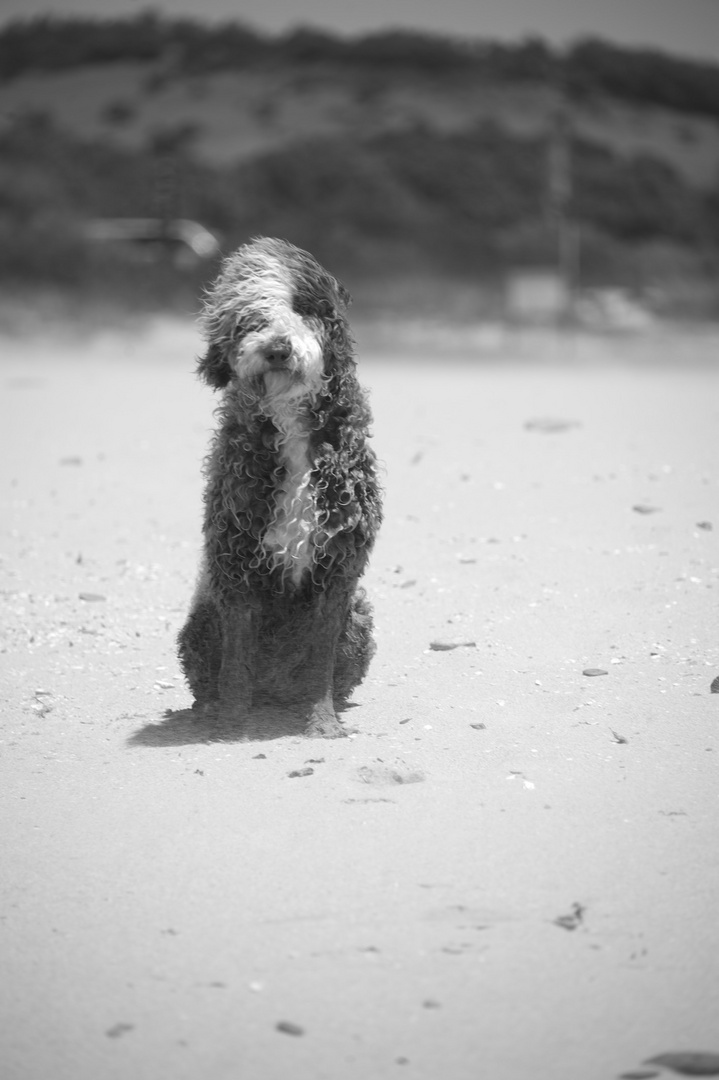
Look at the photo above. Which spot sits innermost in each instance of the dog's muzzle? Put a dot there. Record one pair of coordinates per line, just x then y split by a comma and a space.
277, 352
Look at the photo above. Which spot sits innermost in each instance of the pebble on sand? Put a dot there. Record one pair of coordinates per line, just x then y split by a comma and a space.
288, 1028
119, 1029
550, 425
445, 646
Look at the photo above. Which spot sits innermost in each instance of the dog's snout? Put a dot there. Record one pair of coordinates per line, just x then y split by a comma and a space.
278, 351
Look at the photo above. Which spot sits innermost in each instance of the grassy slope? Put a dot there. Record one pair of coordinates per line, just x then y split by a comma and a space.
237, 115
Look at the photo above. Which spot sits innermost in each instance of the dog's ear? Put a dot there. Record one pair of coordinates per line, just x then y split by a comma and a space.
214, 367
344, 295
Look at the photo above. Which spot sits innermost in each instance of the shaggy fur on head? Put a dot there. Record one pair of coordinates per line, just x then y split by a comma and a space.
292, 501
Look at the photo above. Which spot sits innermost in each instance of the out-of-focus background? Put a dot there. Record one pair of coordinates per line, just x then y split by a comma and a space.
509, 869
524, 162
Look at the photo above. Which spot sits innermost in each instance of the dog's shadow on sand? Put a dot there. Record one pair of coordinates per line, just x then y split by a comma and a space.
183, 727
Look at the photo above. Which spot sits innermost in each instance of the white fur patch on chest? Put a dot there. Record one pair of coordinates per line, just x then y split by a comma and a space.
289, 541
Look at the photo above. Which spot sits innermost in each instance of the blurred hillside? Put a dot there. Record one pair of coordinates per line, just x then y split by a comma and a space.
393, 157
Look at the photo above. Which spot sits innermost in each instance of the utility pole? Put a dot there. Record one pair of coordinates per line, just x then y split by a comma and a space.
165, 196
560, 185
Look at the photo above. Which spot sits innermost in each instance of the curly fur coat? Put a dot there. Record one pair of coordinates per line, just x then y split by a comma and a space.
292, 500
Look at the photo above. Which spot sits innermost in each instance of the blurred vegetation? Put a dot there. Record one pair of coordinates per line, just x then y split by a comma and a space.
588, 67
469, 204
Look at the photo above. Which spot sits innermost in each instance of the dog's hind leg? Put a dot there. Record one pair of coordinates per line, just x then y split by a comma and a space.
199, 647
355, 649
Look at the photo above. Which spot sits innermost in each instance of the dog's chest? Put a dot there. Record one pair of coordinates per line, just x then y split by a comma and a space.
289, 540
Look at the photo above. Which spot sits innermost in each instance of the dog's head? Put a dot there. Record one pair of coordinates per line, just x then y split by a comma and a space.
274, 315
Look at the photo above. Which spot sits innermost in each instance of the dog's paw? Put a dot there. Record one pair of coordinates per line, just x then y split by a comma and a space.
235, 723
204, 711
325, 726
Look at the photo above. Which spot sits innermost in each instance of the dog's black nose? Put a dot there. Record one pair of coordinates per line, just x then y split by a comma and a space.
278, 351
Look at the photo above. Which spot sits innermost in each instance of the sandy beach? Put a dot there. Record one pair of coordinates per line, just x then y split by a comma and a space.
509, 869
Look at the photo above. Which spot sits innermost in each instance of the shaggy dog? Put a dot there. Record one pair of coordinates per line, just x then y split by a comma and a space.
292, 501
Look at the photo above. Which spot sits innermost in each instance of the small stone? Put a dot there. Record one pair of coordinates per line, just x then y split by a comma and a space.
714, 688
288, 1028
446, 646
594, 671
573, 919
307, 771
479, 727
91, 597
550, 425
643, 508
119, 1029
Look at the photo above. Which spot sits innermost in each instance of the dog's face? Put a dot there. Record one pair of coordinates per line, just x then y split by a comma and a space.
270, 316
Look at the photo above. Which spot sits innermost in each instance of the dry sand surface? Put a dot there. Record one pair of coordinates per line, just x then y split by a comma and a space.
510, 871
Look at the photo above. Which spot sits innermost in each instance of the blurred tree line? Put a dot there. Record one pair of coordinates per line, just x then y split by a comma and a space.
467, 204
589, 67
471, 202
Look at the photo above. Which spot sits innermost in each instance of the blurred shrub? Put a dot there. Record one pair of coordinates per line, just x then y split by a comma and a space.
591, 67
118, 113
643, 75
468, 204
638, 198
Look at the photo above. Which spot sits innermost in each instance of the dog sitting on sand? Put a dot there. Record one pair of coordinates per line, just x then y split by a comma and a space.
292, 500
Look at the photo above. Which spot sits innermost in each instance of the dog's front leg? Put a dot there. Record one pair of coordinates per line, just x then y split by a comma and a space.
235, 682
329, 621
